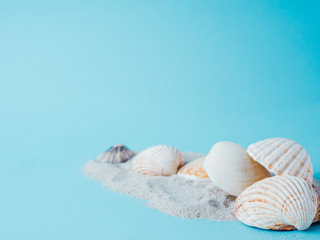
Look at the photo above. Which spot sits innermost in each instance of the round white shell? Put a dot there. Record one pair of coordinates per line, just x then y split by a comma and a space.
283, 156
158, 160
229, 166
278, 203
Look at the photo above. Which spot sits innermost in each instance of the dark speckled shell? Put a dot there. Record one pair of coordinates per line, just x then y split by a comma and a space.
115, 154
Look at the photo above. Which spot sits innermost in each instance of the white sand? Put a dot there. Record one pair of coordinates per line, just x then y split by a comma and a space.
174, 195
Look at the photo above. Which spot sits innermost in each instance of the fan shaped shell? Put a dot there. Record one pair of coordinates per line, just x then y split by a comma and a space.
193, 170
115, 154
283, 156
229, 166
278, 203
158, 160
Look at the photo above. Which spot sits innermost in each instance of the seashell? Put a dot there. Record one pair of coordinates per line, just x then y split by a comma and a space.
158, 160
317, 216
278, 203
229, 166
316, 185
194, 170
115, 154
283, 156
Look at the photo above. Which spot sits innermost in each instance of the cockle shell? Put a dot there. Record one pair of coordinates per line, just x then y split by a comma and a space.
193, 170
283, 156
316, 185
317, 216
278, 203
115, 154
158, 160
229, 166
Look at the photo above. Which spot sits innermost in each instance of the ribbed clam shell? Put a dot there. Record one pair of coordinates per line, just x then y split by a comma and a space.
115, 154
193, 170
229, 167
283, 156
278, 203
158, 160
317, 216
316, 185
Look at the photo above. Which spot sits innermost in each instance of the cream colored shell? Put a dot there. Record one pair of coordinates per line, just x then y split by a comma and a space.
194, 170
278, 203
158, 160
283, 156
229, 166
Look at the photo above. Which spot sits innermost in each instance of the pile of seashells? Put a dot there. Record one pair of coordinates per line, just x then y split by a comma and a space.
272, 179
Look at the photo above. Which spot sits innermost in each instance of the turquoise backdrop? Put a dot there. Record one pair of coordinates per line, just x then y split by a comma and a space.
79, 76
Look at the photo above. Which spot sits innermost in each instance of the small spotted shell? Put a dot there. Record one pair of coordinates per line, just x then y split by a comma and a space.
193, 170
283, 156
278, 203
158, 160
115, 154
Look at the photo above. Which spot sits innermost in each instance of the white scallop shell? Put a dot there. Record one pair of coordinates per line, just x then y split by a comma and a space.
283, 156
229, 166
158, 160
193, 170
278, 203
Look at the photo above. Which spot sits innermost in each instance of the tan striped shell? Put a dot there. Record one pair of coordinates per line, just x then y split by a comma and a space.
283, 156
278, 203
158, 160
316, 185
229, 167
194, 170
317, 217
116, 154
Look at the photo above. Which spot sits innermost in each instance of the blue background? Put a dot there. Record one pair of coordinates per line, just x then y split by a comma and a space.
79, 76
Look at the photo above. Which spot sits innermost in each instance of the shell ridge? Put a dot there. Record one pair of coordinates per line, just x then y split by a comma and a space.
299, 170
272, 197
264, 148
287, 155
257, 151
306, 204
309, 206
293, 214
275, 158
302, 162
